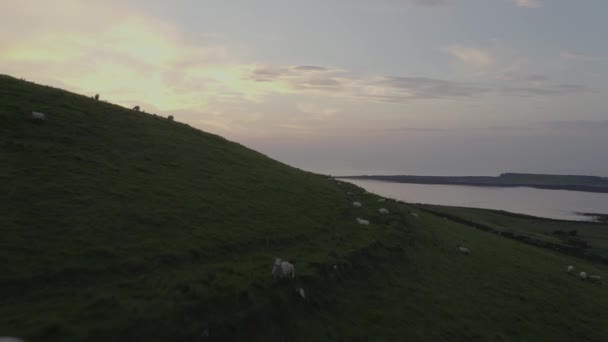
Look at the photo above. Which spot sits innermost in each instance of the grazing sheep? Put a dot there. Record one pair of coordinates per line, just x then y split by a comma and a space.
381, 199
414, 214
283, 269
383, 211
569, 269
301, 292
595, 279
583, 275
37, 116
464, 250
362, 221
357, 204
349, 193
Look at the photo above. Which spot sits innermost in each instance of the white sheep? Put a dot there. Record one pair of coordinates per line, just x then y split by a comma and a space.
362, 221
381, 199
569, 269
383, 211
583, 275
357, 204
37, 116
595, 279
464, 250
349, 193
414, 214
283, 269
301, 292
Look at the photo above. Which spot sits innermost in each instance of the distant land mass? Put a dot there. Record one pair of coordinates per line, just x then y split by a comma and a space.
540, 181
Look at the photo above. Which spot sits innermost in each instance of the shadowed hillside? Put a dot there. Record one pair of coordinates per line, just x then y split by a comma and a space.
120, 225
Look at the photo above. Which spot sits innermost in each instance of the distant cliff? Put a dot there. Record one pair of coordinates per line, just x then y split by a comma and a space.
541, 181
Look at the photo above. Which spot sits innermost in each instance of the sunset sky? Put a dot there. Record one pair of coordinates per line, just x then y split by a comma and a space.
435, 87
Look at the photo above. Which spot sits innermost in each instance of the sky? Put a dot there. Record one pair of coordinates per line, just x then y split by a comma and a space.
342, 87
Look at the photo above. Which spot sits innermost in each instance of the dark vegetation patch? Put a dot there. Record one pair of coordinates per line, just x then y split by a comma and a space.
596, 217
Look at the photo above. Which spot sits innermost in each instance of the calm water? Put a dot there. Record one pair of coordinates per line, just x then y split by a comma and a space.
558, 204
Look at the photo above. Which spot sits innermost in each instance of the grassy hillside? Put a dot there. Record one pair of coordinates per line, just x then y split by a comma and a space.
120, 225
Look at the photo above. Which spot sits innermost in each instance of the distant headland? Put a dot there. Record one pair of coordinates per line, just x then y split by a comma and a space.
540, 181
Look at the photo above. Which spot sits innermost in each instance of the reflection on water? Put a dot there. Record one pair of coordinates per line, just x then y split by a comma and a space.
558, 204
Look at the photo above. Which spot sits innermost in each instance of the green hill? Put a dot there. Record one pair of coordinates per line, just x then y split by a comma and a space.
120, 225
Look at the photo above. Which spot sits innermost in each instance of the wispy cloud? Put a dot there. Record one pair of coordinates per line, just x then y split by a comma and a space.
310, 68
529, 3
472, 56
426, 3
342, 83
563, 126
317, 112
575, 56
546, 90
524, 77
399, 89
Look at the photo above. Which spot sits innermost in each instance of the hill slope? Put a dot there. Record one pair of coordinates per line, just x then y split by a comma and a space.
119, 225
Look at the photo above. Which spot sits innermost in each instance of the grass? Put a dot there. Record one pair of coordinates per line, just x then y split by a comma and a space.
504, 291
595, 233
120, 225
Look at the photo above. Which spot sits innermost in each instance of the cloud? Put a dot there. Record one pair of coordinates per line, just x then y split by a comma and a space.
579, 124
575, 56
531, 85
555, 89
341, 83
416, 129
563, 126
310, 68
400, 89
475, 57
529, 3
426, 2
524, 77
317, 112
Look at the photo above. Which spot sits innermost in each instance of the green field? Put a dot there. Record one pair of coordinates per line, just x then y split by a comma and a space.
594, 233
124, 226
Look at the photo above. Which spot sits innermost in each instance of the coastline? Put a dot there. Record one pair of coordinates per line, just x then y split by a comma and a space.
486, 182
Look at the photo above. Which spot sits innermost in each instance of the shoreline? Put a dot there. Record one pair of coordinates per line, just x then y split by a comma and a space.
488, 184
